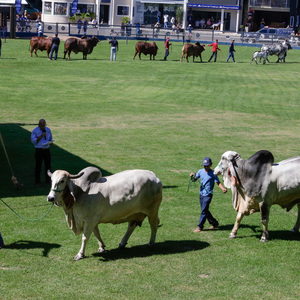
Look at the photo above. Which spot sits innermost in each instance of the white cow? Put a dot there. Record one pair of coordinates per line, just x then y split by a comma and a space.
89, 199
260, 55
257, 183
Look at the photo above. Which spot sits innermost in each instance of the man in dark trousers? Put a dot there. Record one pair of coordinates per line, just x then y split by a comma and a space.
167, 47
41, 137
55, 46
215, 50
231, 50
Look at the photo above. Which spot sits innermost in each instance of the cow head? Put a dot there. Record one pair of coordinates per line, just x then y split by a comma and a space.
227, 169
93, 41
62, 188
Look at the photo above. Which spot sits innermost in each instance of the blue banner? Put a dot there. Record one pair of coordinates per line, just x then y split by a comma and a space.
74, 7
231, 7
18, 6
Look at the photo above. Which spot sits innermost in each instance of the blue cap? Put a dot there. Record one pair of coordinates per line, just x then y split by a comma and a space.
207, 161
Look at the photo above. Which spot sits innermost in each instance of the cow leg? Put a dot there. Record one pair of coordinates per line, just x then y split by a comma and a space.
35, 52
265, 212
200, 57
296, 227
154, 222
140, 55
87, 231
100, 241
131, 226
181, 58
193, 58
136, 52
187, 58
236, 226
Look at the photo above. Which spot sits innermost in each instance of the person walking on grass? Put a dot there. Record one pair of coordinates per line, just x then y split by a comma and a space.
167, 47
215, 50
208, 180
231, 50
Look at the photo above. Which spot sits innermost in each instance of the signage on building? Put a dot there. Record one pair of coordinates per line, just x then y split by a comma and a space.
74, 7
18, 6
211, 6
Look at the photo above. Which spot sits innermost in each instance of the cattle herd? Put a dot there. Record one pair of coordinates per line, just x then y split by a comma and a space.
89, 199
87, 44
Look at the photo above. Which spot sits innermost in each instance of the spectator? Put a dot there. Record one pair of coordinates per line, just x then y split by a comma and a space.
197, 23
94, 23
40, 29
166, 20
55, 46
41, 137
172, 22
202, 24
189, 29
114, 48
215, 50
179, 27
79, 25
208, 23
85, 27
208, 180
158, 16
262, 23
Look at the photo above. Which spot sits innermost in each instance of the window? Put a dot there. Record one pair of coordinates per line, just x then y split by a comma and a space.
123, 10
47, 8
60, 9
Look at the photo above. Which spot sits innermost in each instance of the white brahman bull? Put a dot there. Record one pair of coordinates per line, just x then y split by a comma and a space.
280, 50
257, 183
260, 55
89, 199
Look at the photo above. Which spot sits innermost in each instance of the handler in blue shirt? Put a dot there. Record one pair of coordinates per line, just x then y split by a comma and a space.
41, 137
208, 180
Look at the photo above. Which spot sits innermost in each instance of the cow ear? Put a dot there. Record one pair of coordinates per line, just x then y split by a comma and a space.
71, 186
232, 174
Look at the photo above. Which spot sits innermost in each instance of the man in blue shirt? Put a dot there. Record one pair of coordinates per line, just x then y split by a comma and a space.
208, 180
41, 137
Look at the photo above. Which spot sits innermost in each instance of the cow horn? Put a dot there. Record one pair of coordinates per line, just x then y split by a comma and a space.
76, 176
49, 173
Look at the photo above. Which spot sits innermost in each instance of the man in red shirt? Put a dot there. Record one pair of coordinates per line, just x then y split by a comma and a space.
167, 46
215, 50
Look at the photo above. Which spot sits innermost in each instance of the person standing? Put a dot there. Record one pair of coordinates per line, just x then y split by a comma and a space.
85, 24
114, 48
55, 46
79, 24
208, 180
167, 47
166, 20
231, 50
41, 137
215, 50
40, 29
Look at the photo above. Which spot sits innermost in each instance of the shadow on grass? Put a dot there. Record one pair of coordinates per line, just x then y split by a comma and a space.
27, 245
257, 229
163, 248
20, 153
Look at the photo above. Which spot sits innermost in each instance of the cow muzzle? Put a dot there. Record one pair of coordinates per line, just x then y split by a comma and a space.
51, 198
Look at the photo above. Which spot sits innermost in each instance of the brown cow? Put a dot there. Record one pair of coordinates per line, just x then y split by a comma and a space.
145, 48
84, 45
192, 50
40, 43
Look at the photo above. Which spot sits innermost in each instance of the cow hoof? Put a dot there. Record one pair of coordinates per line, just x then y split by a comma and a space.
122, 246
79, 257
232, 236
101, 250
295, 230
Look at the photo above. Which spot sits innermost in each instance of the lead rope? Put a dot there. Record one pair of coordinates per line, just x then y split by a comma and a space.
25, 218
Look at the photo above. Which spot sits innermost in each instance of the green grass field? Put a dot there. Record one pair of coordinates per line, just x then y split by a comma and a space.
156, 115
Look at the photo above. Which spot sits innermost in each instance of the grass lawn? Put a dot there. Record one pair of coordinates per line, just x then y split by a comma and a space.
156, 115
